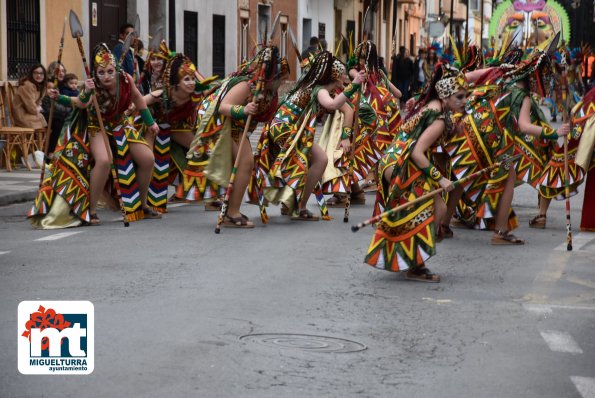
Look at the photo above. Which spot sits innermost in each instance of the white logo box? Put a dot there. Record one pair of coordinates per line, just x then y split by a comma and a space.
81, 359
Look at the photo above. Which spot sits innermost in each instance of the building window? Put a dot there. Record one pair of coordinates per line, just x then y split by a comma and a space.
23, 37
219, 45
191, 35
244, 23
264, 22
283, 41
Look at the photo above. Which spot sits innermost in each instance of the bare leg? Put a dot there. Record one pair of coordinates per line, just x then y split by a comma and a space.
544, 204
318, 163
144, 160
505, 202
183, 138
245, 166
454, 197
100, 172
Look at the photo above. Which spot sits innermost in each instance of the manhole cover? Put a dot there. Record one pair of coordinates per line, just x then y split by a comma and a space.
305, 342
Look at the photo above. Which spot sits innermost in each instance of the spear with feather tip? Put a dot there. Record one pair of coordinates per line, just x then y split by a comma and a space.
77, 32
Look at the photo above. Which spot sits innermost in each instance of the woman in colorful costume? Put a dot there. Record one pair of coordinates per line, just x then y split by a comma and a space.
174, 108
405, 240
504, 121
81, 167
581, 161
288, 162
378, 125
220, 126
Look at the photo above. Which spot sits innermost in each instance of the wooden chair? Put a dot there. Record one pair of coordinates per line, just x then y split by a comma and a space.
30, 138
16, 137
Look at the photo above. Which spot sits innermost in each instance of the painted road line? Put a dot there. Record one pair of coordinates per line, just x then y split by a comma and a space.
1, 253
548, 308
547, 278
578, 241
560, 342
172, 205
58, 236
584, 385
540, 309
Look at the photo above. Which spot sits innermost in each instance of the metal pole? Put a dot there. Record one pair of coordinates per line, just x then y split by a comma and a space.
481, 24
467, 22
452, 6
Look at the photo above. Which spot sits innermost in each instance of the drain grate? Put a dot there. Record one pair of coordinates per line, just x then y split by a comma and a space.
305, 342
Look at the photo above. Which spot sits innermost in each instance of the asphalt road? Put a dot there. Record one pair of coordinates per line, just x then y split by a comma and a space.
290, 310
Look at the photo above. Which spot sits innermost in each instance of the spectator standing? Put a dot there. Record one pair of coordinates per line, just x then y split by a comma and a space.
402, 73
313, 49
61, 112
128, 64
27, 99
418, 70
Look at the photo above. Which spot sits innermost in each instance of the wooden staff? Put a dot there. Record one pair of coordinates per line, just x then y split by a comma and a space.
243, 139
77, 33
565, 114
355, 228
48, 130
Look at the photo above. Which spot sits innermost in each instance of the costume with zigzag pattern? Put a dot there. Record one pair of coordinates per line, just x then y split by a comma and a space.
404, 239
583, 121
207, 172
386, 107
552, 179
336, 178
120, 131
170, 157
63, 199
283, 152
72, 167
488, 134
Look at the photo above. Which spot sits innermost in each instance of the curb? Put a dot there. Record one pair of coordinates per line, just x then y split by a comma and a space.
17, 197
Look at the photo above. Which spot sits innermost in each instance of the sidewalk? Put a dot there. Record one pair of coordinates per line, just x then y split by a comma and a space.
20, 185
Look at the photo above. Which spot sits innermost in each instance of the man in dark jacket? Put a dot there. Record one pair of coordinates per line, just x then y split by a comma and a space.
402, 73
128, 64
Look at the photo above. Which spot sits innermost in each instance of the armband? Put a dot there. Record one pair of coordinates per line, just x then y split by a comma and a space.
64, 100
237, 112
351, 89
346, 133
432, 172
145, 114
84, 97
548, 133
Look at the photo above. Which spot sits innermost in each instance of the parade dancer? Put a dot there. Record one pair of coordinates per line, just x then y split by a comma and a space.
581, 161
498, 126
221, 121
383, 97
288, 162
81, 167
405, 240
174, 108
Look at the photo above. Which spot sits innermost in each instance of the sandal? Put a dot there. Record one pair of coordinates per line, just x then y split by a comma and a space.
94, 220
151, 214
238, 222
506, 238
305, 215
446, 231
369, 186
214, 205
284, 209
422, 274
538, 221
336, 201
